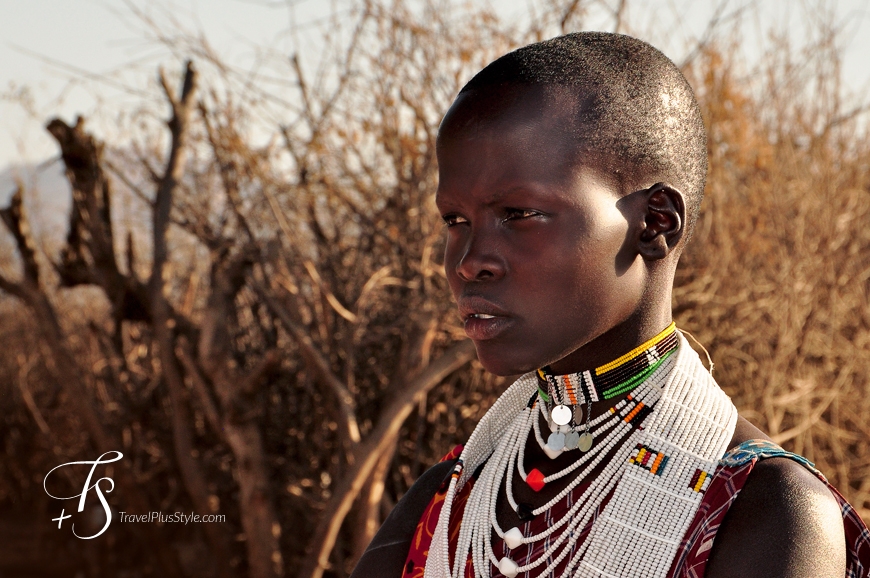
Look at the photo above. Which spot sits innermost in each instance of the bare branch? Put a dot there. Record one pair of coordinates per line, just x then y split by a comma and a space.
192, 473
230, 180
23, 374
567, 14
330, 296
618, 16
367, 454
14, 218
130, 253
136, 189
255, 379
346, 404
307, 110
171, 176
11, 288
194, 479
200, 387
718, 18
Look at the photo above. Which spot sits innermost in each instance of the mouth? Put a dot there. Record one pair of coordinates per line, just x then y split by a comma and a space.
483, 319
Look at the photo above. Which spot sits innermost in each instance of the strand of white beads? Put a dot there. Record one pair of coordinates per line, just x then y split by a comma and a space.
612, 476
586, 504
578, 515
611, 418
642, 398
480, 523
552, 454
475, 452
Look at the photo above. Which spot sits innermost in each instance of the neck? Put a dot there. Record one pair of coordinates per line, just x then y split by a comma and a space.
638, 329
611, 380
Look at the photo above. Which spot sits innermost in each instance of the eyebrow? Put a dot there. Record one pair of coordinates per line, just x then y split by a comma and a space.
499, 196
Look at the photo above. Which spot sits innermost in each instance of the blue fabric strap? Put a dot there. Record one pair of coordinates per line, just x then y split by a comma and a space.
761, 449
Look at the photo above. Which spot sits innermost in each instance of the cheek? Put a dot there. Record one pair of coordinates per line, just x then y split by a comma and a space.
599, 269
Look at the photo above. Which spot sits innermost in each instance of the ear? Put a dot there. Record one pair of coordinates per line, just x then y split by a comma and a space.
664, 221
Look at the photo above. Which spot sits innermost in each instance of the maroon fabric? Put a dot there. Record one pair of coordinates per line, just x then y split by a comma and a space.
694, 550
736, 465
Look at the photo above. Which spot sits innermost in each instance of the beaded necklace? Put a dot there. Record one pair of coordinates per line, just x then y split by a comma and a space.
611, 379
664, 443
560, 393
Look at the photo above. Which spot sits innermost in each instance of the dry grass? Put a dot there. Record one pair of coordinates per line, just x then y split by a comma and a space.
775, 282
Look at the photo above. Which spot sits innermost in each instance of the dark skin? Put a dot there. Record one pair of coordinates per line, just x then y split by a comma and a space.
563, 257
784, 523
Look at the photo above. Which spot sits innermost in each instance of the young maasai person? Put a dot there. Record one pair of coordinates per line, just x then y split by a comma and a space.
571, 173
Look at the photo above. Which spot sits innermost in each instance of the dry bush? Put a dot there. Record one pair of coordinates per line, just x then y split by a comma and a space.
310, 330
775, 282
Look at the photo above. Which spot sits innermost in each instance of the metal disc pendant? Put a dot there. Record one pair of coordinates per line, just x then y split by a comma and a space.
571, 440
551, 453
585, 442
561, 414
556, 441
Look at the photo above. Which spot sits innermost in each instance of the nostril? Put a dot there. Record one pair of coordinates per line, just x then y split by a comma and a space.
480, 262
475, 272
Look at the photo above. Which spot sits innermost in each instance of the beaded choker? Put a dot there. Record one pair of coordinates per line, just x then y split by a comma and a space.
562, 396
612, 379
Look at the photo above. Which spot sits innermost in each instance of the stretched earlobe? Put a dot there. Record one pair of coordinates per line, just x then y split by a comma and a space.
664, 222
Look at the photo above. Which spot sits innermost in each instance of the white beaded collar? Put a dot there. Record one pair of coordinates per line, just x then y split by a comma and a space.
642, 524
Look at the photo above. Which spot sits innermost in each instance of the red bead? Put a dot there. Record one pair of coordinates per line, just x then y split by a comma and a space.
535, 480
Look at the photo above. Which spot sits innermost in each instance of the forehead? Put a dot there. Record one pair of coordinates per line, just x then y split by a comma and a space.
513, 140
509, 106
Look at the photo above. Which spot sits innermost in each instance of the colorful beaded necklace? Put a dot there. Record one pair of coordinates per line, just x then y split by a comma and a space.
562, 396
651, 472
611, 379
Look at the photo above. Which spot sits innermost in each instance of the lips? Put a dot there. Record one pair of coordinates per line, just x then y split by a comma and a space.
483, 319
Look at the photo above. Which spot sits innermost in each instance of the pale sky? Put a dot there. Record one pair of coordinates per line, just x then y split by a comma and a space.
55, 49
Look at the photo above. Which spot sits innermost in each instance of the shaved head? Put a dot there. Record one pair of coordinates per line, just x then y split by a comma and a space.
631, 106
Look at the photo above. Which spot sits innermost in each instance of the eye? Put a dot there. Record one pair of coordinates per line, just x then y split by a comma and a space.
513, 214
452, 219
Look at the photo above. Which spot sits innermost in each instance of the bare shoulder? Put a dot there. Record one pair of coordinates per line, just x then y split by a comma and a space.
784, 523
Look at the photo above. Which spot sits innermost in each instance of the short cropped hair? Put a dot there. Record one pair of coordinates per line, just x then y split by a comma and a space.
636, 106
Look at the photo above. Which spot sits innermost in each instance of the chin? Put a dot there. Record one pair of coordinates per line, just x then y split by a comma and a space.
501, 361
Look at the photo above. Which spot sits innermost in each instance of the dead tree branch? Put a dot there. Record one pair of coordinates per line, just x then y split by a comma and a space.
192, 474
324, 374
367, 454
14, 219
65, 370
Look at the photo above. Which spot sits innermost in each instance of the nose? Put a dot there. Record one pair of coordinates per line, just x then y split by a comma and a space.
481, 260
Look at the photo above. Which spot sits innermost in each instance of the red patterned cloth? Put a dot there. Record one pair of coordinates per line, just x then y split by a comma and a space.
734, 469
694, 551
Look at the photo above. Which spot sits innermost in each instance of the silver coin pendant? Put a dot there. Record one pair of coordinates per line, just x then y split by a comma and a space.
571, 440
556, 441
561, 414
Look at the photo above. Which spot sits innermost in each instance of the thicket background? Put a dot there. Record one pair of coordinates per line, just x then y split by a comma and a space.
249, 301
